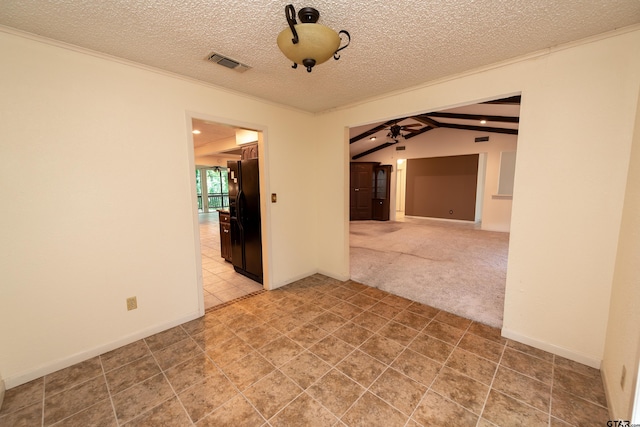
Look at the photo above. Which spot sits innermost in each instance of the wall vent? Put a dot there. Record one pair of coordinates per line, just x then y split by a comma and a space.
227, 62
482, 139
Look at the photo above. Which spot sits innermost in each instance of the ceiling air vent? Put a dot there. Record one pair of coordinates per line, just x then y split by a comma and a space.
227, 62
482, 139
401, 148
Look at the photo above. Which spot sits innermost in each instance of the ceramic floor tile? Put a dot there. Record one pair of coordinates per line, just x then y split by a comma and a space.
128, 375
123, 355
74, 399
472, 366
412, 320
588, 387
99, 415
23, 396
361, 368
576, 411
346, 311
503, 410
528, 365
398, 332
352, 334
307, 335
453, 320
423, 310
417, 367
281, 350
371, 411
190, 372
206, 396
30, 415
487, 332
347, 355
331, 349
272, 393
165, 338
73, 375
444, 332
168, 413
384, 310
143, 396
381, 348
400, 391
336, 392
259, 336
532, 351
370, 321
304, 411
461, 389
431, 347
213, 337
436, 411
248, 370
229, 352
236, 412
523, 388
177, 353
305, 369
482, 347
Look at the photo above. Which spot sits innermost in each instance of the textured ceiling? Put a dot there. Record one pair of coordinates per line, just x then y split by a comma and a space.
394, 45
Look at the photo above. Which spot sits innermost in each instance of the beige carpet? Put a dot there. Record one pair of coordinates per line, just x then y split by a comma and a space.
448, 265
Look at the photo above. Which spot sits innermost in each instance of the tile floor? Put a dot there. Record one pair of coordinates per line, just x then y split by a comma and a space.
317, 352
220, 282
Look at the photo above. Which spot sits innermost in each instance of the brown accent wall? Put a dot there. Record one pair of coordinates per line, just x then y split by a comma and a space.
442, 187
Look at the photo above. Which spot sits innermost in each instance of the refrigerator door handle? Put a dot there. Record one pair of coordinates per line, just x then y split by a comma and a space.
240, 209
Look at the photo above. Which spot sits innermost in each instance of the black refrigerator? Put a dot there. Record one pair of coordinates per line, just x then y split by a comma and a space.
244, 210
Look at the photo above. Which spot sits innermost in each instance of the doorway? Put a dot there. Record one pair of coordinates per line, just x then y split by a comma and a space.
488, 131
214, 145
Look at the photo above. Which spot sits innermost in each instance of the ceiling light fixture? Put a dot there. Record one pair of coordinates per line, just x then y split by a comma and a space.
483, 122
373, 138
196, 132
309, 43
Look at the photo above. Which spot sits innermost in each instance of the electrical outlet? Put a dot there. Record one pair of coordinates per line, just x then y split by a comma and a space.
132, 303
623, 377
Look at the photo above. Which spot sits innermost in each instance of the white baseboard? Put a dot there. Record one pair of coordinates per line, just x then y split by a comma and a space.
65, 362
551, 348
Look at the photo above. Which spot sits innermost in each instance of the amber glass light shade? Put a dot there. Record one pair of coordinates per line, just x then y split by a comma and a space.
316, 42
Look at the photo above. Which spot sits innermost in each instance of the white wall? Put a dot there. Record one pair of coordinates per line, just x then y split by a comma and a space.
623, 332
96, 183
577, 117
442, 142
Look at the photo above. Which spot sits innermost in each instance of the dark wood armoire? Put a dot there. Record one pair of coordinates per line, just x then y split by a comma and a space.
369, 191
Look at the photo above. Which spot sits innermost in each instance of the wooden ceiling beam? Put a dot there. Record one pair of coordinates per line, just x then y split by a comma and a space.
480, 128
373, 130
373, 150
511, 100
478, 117
426, 120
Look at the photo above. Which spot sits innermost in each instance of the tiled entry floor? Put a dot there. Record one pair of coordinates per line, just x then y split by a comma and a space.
220, 281
318, 352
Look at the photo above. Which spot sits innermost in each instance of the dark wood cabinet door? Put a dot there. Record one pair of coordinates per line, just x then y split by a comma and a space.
361, 188
381, 188
225, 236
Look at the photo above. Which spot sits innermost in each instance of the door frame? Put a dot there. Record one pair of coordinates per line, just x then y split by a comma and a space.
265, 208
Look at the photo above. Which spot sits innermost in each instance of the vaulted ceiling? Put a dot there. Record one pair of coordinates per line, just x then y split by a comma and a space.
497, 116
394, 45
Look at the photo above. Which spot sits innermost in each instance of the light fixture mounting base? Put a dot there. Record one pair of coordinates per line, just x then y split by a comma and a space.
308, 15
